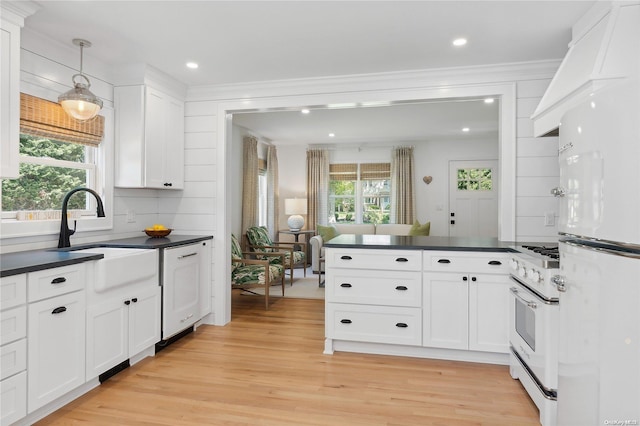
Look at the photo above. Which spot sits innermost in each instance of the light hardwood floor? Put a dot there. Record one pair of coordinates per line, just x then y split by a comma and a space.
267, 368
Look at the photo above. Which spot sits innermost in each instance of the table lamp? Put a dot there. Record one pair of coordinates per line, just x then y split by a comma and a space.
295, 207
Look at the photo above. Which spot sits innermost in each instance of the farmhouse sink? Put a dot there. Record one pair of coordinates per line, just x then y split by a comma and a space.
122, 266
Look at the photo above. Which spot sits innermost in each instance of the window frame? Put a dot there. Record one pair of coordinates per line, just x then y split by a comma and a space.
104, 181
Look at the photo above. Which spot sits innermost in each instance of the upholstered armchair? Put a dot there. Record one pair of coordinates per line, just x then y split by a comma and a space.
249, 273
260, 242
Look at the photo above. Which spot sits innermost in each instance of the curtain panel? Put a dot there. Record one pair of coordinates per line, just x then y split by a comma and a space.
250, 183
272, 192
402, 187
317, 187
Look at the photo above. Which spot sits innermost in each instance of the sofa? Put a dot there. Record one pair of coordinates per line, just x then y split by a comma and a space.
316, 242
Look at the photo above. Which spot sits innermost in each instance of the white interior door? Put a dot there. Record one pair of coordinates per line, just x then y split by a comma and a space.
473, 198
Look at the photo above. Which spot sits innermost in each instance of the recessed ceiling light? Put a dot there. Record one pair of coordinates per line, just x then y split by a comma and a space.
192, 65
488, 101
465, 129
332, 135
460, 42
305, 111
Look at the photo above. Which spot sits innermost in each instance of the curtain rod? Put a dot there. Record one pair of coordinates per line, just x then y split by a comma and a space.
358, 147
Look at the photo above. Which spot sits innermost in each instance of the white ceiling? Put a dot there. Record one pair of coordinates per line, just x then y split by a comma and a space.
245, 41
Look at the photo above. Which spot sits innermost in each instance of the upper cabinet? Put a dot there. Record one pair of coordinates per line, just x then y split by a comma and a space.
149, 138
10, 99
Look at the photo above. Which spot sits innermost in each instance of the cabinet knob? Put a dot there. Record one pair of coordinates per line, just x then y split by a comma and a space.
473, 278
59, 310
127, 302
134, 300
464, 278
168, 184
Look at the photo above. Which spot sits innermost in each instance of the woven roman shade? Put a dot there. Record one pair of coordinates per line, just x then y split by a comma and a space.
343, 171
375, 171
40, 117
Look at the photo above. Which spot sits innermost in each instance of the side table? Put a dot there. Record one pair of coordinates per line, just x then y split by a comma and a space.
307, 236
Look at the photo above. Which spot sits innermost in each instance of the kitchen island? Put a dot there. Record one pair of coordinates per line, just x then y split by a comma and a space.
430, 297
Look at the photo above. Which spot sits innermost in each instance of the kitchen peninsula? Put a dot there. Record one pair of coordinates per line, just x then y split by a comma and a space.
430, 297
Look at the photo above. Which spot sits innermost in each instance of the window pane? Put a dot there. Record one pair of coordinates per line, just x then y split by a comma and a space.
35, 146
43, 188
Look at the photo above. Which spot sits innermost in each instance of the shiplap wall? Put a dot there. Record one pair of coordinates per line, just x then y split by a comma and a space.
537, 169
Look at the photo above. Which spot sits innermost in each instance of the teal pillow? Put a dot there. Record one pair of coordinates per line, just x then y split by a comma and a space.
327, 232
420, 230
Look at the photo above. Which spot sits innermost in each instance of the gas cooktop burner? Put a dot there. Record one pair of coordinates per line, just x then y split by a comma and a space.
545, 256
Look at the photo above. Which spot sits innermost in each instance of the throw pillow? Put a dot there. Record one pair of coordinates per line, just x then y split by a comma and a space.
420, 230
327, 232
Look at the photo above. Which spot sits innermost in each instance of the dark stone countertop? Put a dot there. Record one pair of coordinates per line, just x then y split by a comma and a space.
36, 260
392, 242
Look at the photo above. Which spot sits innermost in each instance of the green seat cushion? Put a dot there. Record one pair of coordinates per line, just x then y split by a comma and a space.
420, 230
327, 232
254, 274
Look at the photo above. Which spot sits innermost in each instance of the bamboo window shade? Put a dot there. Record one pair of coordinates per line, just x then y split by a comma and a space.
368, 171
40, 117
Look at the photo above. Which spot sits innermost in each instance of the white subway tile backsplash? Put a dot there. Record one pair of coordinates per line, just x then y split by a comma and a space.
537, 166
200, 173
194, 190
199, 156
524, 128
536, 206
537, 147
187, 205
535, 186
529, 227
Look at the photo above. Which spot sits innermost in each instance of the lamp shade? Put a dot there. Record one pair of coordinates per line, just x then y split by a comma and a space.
295, 206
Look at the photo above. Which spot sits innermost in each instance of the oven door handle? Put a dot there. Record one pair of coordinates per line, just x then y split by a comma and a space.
516, 293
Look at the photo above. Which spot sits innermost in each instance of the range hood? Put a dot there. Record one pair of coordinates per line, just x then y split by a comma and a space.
605, 46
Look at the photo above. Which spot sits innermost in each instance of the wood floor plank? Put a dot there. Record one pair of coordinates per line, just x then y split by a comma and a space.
267, 368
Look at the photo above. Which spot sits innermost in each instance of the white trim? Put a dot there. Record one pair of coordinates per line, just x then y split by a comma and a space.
505, 91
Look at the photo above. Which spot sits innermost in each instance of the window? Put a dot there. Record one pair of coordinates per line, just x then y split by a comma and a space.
57, 154
359, 193
262, 192
474, 180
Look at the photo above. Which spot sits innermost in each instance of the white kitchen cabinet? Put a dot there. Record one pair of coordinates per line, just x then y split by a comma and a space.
185, 287
13, 348
56, 340
149, 138
467, 306
121, 327
373, 296
10, 99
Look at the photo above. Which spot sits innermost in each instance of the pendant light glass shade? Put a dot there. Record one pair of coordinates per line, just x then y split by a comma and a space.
79, 102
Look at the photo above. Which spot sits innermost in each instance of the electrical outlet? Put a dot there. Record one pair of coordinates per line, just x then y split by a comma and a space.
549, 219
131, 216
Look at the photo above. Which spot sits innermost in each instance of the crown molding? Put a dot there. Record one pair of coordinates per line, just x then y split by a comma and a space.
16, 11
428, 78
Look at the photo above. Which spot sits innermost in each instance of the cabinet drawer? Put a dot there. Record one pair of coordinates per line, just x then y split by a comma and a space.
13, 324
56, 281
13, 291
380, 324
394, 260
13, 358
454, 261
374, 287
13, 398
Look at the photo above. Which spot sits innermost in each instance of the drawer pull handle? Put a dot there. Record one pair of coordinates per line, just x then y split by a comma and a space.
402, 259
346, 285
345, 257
345, 321
59, 310
444, 261
401, 288
495, 262
127, 302
401, 325
59, 280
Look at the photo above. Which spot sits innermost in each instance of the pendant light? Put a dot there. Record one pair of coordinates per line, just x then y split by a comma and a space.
79, 102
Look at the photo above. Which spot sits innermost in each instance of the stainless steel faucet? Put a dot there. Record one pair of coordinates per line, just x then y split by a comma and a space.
65, 232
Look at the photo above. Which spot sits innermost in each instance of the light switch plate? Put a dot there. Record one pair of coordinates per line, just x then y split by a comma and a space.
131, 216
549, 219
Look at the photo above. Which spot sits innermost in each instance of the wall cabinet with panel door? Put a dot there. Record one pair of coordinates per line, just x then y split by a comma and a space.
149, 138
465, 301
56, 333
